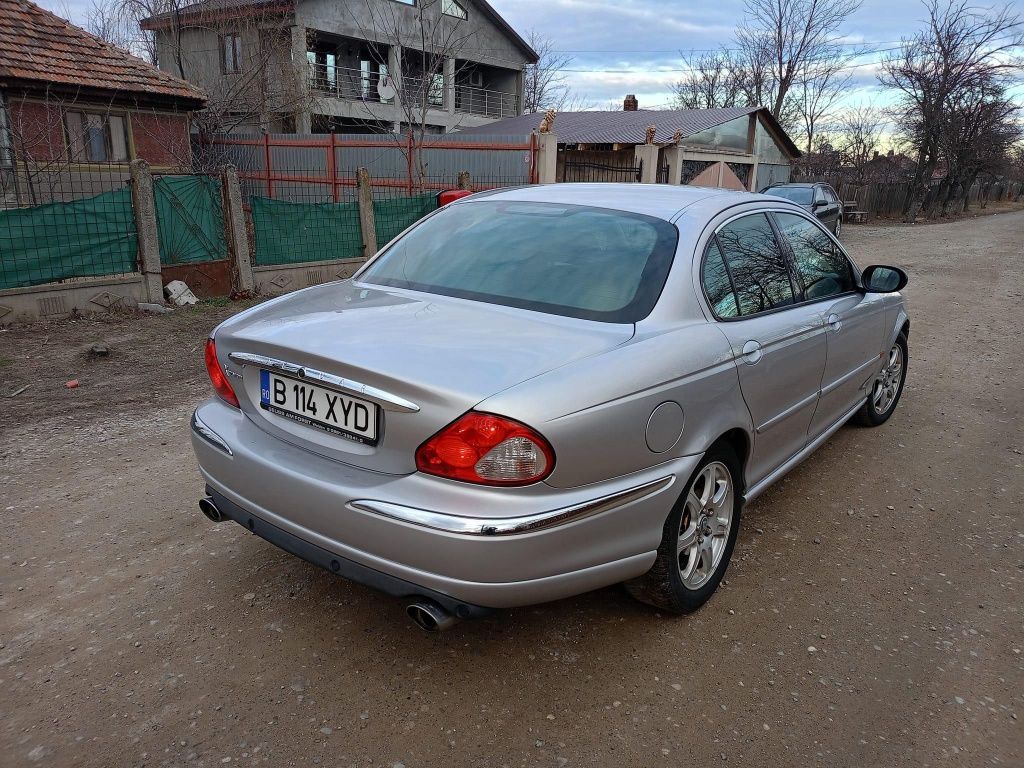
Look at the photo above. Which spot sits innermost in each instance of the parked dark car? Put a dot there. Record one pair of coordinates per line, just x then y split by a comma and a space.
817, 198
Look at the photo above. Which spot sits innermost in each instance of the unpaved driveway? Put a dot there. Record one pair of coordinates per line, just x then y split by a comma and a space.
872, 615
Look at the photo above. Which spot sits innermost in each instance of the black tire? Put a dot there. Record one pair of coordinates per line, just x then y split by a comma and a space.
869, 415
663, 586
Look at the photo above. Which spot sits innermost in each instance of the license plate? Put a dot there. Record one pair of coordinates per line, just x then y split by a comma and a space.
319, 407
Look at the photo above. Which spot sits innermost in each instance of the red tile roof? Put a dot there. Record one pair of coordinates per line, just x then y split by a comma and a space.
38, 47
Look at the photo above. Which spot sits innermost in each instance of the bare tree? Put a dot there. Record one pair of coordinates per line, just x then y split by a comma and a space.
860, 137
819, 86
256, 83
784, 42
713, 79
962, 50
544, 82
104, 19
430, 42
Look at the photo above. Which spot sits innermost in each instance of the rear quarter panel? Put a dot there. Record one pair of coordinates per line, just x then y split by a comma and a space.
595, 411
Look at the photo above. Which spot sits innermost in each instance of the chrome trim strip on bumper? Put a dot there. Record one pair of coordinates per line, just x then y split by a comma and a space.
510, 526
200, 428
386, 400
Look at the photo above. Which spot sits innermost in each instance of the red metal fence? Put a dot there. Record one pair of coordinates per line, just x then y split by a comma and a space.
481, 161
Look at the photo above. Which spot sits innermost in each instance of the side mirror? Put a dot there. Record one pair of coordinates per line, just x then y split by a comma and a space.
818, 203
882, 279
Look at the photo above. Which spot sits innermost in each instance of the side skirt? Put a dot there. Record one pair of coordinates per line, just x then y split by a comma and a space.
758, 488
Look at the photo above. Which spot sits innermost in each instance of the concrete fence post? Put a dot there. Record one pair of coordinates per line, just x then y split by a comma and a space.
465, 182
547, 157
367, 223
674, 157
238, 234
647, 158
144, 208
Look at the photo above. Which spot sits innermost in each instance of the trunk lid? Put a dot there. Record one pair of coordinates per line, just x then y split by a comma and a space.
443, 354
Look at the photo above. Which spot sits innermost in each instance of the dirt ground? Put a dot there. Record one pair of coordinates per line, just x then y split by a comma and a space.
873, 614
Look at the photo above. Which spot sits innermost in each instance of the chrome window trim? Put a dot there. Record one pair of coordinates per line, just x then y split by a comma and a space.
386, 400
510, 526
767, 210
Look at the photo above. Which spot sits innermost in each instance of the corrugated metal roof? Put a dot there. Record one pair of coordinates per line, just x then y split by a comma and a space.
622, 127
38, 46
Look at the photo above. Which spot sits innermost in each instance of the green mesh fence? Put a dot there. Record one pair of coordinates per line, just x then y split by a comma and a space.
57, 241
394, 215
292, 233
190, 219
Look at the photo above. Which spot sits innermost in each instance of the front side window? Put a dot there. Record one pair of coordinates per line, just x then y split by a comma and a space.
573, 260
756, 264
94, 137
819, 194
230, 53
821, 267
452, 8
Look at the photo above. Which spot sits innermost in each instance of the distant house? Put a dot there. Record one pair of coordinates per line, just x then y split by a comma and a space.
68, 99
733, 147
324, 66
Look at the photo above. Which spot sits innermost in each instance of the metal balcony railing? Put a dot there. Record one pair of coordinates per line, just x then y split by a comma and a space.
345, 82
482, 101
359, 85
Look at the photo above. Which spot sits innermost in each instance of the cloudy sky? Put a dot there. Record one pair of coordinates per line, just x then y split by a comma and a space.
633, 46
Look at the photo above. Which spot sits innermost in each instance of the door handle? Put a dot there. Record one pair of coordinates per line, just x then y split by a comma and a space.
751, 352
834, 322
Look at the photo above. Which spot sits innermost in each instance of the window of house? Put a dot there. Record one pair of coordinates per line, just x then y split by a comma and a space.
756, 264
820, 265
230, 53
95, 137
452, 8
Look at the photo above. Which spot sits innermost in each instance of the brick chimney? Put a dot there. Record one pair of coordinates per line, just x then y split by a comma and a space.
630, 104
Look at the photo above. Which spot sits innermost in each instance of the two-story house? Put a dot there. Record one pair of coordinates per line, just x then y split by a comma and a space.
318, 66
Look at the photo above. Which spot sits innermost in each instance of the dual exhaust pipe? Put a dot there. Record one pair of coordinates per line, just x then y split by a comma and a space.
426, 614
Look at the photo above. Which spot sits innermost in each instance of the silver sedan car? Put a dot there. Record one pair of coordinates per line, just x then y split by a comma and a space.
536, 392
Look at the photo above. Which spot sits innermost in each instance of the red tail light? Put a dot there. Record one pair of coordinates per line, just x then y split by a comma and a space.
487, 449
217, 377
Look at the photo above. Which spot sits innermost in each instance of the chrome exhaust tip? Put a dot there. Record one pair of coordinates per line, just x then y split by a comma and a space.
430, 617
208, 508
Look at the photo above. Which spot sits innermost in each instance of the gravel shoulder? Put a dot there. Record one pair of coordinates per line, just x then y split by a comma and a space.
873, 614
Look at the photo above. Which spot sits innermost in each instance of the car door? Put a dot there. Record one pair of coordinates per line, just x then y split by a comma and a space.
778, 346
854, 321
826, 211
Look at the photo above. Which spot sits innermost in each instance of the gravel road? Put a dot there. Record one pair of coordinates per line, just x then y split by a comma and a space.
873, 614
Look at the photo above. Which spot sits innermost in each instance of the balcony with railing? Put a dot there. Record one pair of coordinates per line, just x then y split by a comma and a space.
351, 84
486, 102
375, 85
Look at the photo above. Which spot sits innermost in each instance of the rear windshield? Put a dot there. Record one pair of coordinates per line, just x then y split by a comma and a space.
573, 260
799, 195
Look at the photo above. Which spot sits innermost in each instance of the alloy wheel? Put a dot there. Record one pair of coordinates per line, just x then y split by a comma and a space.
888, 384
705, 524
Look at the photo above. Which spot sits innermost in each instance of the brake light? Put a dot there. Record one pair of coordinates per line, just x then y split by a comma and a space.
487, 449
217, 377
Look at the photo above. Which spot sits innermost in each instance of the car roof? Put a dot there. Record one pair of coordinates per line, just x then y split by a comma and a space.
664, 201
799, 184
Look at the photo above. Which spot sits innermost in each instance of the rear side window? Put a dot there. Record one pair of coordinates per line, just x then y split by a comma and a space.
821, 266
574, 260
717, 283
756, 265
